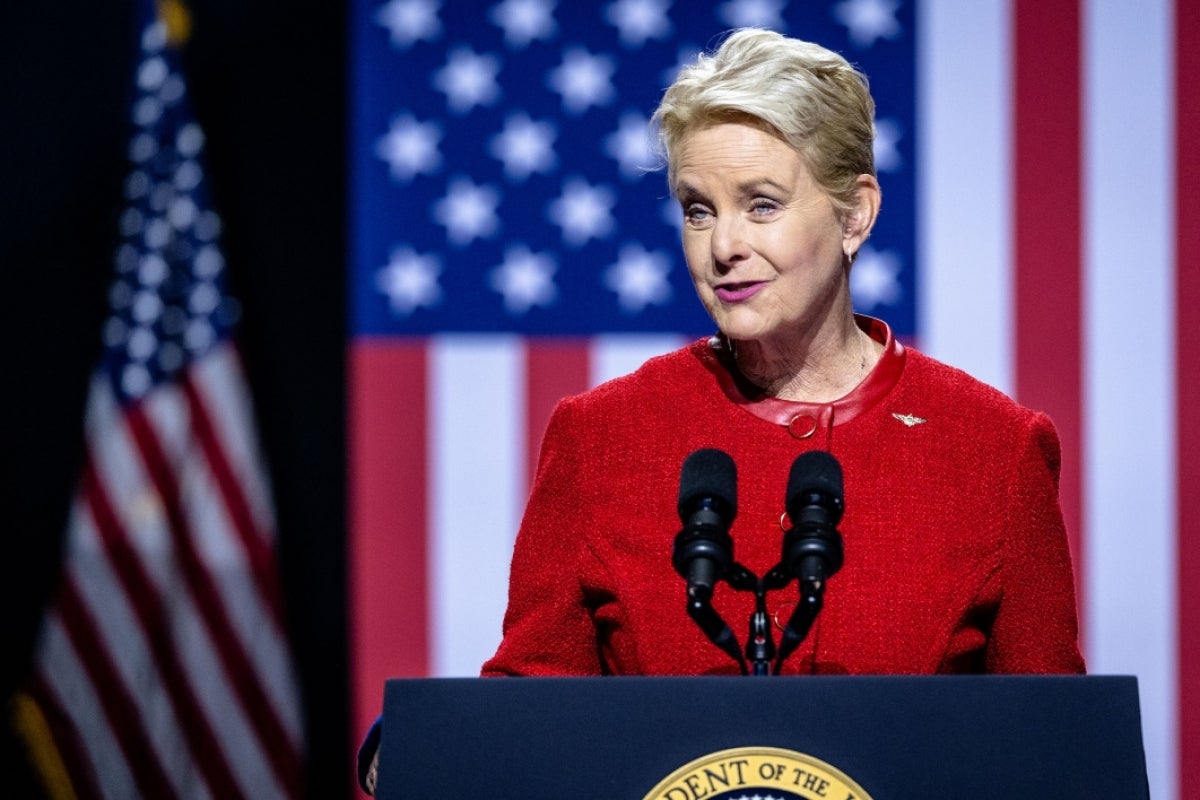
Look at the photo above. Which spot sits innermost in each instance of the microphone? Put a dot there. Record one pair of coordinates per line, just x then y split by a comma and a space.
812, 548
707, 506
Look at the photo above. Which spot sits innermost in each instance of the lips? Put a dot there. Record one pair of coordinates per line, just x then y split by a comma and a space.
738, 292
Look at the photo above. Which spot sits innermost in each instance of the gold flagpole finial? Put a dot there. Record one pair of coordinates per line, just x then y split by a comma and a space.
175, 15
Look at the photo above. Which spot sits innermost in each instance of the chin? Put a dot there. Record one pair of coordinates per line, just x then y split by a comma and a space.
741, 330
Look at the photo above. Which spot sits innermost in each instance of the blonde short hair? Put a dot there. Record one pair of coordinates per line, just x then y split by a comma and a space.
810, 97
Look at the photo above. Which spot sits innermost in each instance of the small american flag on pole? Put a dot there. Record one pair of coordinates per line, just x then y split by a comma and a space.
164, 670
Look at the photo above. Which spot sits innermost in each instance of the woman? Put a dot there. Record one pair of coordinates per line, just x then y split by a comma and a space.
956, 557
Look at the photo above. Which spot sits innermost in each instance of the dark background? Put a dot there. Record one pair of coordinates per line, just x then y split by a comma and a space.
267, 82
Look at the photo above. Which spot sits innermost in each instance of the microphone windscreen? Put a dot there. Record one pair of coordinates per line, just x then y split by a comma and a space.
814, 471
707, 473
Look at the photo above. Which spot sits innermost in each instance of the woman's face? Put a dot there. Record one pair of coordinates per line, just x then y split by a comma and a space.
763, 243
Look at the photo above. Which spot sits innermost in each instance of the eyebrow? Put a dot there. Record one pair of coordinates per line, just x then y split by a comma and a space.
745, 188
684, 190
751, 187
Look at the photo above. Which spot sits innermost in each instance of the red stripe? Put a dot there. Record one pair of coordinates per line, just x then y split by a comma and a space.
119, 706
1047, 217
281, 750
242, 676
554, 369
255, 542
150, 609
1187, 375
389, 606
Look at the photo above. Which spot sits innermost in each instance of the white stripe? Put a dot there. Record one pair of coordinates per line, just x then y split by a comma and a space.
215, 543
964, 304
204, 672
76, 695
477, 476
121, 635
134, 500
1130, 433
615, 355
222, 385
141, 514
225, 560
258, 634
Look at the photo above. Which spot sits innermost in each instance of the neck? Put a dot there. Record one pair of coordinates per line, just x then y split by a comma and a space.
820, 369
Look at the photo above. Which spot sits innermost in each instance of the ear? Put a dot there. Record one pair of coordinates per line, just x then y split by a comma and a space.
860, 219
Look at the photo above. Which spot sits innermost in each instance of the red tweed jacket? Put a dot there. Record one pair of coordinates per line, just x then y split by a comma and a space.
956, 557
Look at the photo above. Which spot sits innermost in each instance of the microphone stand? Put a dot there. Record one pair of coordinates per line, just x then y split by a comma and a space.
760, 644
812, 594
699, 608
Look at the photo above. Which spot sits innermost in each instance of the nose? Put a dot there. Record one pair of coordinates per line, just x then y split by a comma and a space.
729, 241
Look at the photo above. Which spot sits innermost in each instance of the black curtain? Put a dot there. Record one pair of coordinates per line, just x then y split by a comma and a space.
267, 81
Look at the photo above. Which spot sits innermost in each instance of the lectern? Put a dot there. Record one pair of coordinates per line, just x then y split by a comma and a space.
735, 738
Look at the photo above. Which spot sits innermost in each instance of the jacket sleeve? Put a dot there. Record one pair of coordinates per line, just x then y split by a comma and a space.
548, 626
1035, 629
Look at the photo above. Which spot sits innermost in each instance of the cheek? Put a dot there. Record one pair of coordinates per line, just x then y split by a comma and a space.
800, 251
697, 255
698, 270
703, 291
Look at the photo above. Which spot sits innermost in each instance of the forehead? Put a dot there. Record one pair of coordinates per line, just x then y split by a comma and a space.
733, 150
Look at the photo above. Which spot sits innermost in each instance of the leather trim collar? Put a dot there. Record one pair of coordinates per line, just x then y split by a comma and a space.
795, 415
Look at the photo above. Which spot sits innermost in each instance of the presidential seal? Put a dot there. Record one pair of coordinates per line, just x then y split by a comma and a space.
757, 773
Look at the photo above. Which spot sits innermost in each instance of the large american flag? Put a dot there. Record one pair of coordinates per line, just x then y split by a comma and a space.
509, 245
163, 669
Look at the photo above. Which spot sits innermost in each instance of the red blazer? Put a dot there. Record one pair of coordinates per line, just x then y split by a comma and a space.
956, 557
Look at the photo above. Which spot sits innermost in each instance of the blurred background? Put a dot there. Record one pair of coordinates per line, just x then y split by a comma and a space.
1035, 232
